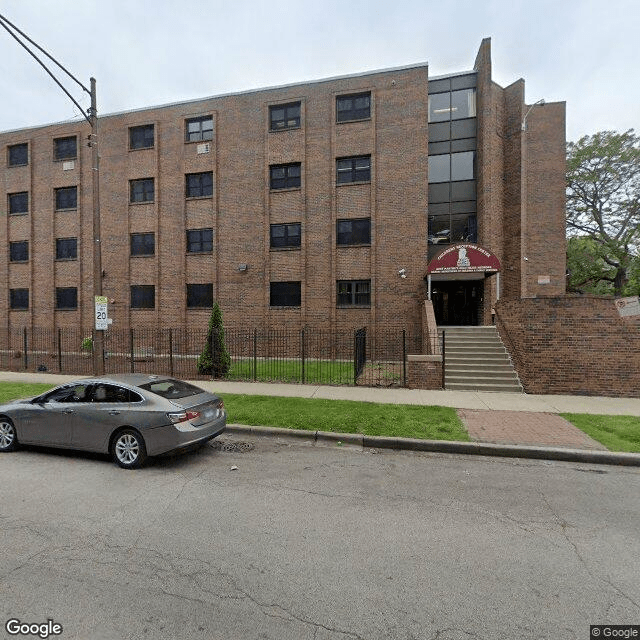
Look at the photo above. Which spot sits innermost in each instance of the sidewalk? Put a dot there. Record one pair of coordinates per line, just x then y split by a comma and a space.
514, 424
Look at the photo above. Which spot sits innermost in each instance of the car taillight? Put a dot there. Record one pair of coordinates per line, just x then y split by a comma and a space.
183, 416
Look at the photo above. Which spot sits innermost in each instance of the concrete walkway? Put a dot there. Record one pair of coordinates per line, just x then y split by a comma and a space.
521, 424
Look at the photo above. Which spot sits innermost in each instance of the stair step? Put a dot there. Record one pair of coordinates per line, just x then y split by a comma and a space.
463, 386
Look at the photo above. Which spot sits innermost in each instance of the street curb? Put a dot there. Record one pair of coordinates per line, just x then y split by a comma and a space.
446, 446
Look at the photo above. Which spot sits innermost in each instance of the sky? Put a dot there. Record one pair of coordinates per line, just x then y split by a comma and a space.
151, 52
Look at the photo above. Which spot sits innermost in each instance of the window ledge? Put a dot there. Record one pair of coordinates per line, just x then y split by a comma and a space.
298, 248
198, 141
13, 166
143, 255
353, 306
352, 245
66, 259
199, 253
285, 129
199, 197
348, 184
139, 202
67, 209
142, 148
285, 190
356, 120
65, 159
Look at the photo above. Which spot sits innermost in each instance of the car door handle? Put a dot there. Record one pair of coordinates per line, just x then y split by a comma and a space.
113, 412
68, 411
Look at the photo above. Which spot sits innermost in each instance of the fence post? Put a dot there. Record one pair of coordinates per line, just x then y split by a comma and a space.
255, 355
59, 349
171, 352
303, 354
25, 345
133, 367
404, 358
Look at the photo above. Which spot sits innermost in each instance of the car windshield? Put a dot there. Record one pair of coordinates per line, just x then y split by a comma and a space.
171, 389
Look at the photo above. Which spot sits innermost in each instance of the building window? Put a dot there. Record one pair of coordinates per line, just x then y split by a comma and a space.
454, 105
18, 155
353, 107
19, 299
143, 244
19, 251
285, 294
357, 231
19, 202
354, 293
355, 169
285, 176
142, 190
284, 116
65, 148
200, 185
199, 129
285, 235
448, 228
66, 298
141, 137
143, 296
452, 167
199, 296
66, 248
66, 198
199, 240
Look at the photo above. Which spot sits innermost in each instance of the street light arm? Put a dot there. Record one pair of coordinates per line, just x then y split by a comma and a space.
3, 20
526, 115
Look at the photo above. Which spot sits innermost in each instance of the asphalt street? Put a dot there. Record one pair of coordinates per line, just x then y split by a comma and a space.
316, 542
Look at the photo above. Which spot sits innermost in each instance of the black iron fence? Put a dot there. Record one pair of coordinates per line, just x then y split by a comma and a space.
310, 355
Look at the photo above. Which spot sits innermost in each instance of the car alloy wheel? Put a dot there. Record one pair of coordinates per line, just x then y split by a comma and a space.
8, 440
129, 451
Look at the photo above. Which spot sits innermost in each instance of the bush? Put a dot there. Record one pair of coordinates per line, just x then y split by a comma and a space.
214, 359
87, 344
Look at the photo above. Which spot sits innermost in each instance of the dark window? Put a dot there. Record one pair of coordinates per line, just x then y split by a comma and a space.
285, 176
19, 251
285, 294
353, 293
66, 248
445, 229
199, 185
199, 240
143, 244
18, 155
451, 167
19, 298
171, 388
356, 169
141, 137
19, 202
67, 198
198, 129
285, 235
143, 296
65, 148
353, 107
356, 231
199, 296
112, 393
142, 190
284, 116
66, 298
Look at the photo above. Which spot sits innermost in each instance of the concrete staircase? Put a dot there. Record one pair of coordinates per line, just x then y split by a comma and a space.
476, 360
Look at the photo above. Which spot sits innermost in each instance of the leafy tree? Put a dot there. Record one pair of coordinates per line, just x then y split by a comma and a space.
603, 210
214, 359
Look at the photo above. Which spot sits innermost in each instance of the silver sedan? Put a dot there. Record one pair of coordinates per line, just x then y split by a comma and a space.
129, 417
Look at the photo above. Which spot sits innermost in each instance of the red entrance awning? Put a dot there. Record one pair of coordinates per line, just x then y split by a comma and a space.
464, 258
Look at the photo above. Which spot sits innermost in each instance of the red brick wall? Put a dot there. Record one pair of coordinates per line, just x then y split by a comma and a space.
571, 344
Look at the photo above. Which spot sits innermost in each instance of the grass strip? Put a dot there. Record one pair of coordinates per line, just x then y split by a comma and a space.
346, 416
617, 433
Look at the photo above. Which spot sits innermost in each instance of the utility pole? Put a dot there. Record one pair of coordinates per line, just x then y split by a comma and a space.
98, 343
91, 116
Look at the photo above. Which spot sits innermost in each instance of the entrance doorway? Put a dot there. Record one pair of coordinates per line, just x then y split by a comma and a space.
457, 302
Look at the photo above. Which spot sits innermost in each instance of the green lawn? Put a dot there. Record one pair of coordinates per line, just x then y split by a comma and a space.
617, 433
346, 416
13, 390
315, 371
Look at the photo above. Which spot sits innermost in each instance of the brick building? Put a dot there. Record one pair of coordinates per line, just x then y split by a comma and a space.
333, 204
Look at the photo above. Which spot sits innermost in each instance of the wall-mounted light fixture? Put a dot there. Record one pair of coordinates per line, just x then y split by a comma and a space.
243, 266
402, 273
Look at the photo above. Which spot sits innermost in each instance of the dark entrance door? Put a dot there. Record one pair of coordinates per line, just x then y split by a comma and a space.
457, 302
